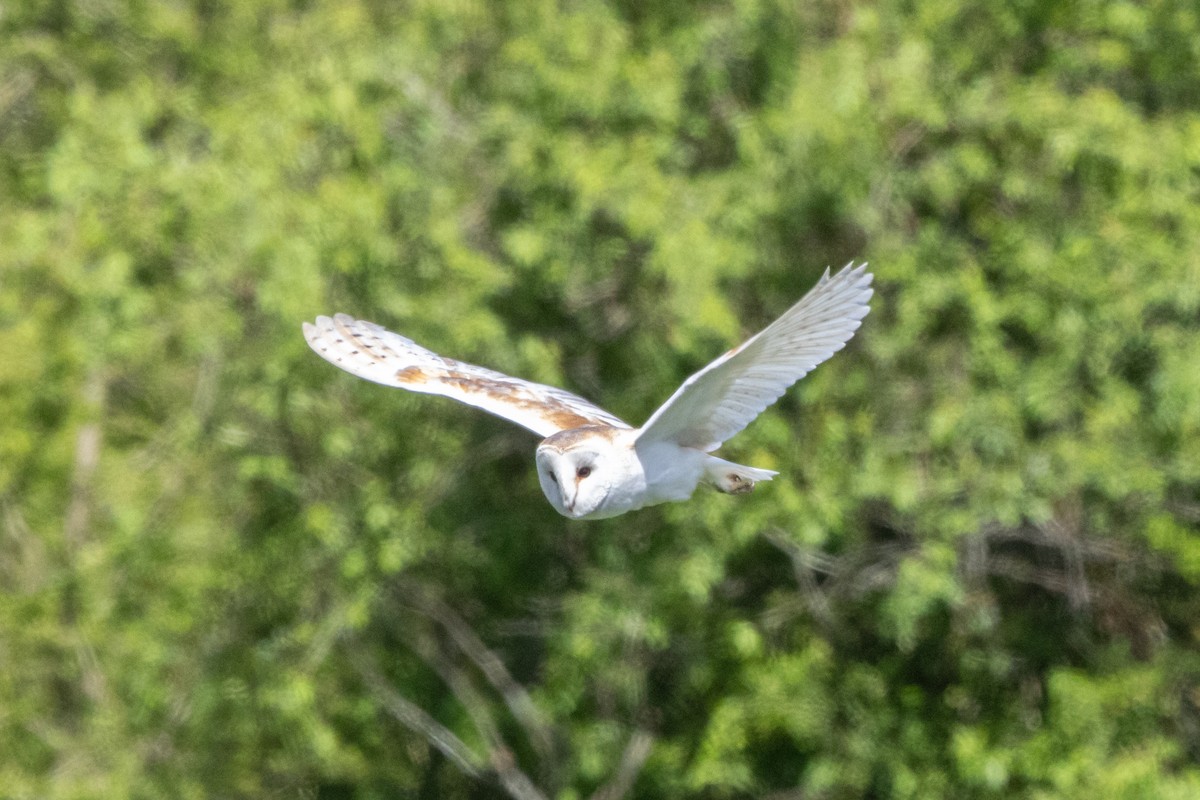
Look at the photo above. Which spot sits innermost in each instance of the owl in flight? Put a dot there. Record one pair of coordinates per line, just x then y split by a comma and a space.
591, 464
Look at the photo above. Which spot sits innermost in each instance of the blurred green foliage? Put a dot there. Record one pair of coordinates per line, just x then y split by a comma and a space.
230, 570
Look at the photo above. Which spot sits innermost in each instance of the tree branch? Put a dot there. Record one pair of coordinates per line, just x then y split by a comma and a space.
803, 566
499, 757
416, 719
87, 457
463, 690
636, 752
515, 781
472, 646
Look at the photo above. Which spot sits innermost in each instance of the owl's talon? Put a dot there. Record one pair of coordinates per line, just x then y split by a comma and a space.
735, 484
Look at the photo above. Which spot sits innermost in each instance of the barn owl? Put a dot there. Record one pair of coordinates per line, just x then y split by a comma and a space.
591, 464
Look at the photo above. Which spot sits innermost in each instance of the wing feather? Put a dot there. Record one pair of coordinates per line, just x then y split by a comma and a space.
724, 397
373, 352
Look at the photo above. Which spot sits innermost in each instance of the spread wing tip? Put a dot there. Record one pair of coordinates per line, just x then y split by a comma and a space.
721, 399
316, 330
858, 290
313, 331
321, 323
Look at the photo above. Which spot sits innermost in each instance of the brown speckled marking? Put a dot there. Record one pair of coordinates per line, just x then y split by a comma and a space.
734, 351
359, 341
412, 375
361, 347
566, 439
515, 395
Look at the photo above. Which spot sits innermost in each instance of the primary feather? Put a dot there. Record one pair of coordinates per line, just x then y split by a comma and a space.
724, 397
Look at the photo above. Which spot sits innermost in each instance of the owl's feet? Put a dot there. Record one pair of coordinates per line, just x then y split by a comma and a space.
733, 478
732, 483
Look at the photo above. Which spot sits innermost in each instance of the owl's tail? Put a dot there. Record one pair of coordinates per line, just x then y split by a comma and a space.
734, 478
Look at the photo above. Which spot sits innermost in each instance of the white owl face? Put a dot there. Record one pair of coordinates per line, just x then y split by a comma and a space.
575, 481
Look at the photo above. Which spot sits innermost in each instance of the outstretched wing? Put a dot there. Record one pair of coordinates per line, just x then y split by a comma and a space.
375, 353
724, 397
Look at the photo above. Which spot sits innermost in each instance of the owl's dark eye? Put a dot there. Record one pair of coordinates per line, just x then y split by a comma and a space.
583, 472
553, 478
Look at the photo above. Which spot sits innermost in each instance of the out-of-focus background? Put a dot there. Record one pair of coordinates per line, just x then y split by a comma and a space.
228, 569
